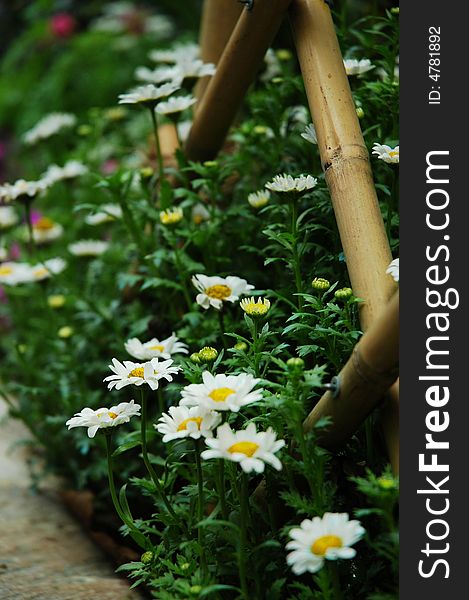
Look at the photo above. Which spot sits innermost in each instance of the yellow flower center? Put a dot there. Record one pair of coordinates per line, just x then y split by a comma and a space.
219, 291
6, 270
394, 153
247, 448
220, 394
41, 272
183, 425
158, 347
322, 544
112, 415
137, 372
44, 224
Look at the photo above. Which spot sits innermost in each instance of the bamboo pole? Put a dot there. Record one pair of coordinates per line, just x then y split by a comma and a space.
365, 378
344, 156
219, 18
236, 70
169, 143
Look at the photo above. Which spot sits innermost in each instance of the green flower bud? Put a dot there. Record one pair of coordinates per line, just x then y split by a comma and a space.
386, 483
242, 346
210, 163
207, 354
185, 566
195, 589
147, 557
195, 358
343, 294
65, 332
360, 112
283, 54
295, 363
320, 284
84, 130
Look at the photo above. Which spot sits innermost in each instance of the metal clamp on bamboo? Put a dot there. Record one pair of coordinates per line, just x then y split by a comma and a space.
364, 380
236, 70
344, 155
219, 18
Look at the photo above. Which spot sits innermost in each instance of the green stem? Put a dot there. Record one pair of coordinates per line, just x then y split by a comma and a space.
182, 276
255, 349
201, 505
242, 550
131, 225
221, 489
27, 216
335, 581
221, 322
295, 255
146, 460
157, 141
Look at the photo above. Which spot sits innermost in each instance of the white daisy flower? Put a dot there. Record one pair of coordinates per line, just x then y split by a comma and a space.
52, 266
393, 269
48, 126
222, 392
103, 418
155, 348
8, 217
251, 449
46, 230
216, 290
171, 216
255, 307
199, 214
130, 373
177, 54
13, 273
156, 76
13, 191
309, 134
108, 212
319, 539
88, 247
357, 67
386, 153
193, 69
70, 170
259, 199
181, 422
175, 104
287, 183
148, 94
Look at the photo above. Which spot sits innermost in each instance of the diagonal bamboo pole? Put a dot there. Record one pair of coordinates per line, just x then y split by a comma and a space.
344, 156
219, 18
236, 71
345, 160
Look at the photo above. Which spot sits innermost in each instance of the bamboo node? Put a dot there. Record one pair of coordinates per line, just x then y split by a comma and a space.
374, 379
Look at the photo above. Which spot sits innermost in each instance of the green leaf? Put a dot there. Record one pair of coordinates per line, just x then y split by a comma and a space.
124, 447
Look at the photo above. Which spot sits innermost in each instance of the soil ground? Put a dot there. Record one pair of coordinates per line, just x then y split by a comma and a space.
44, 552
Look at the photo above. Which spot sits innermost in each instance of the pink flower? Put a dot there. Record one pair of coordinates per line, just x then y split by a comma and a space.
109, 166
62, 25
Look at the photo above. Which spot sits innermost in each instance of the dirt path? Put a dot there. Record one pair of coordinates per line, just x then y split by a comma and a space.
44, 553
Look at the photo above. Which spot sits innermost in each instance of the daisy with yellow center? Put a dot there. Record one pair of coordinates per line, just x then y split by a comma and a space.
182, 422
50, 267
171, 216
213, 291
255, 308
386, 153
248, 447
103, 418
46, 230
222, 392
259, 199
130, 373
12, 273
319, 539
155, 348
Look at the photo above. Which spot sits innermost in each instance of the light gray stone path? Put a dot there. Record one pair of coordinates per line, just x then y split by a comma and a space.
44, 553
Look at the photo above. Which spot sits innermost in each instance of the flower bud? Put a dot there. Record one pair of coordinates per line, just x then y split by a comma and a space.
147, 557
360, 112
386, 483
343, 294
241, 346
195, 358
295, 363
65, 332
255, 308
207, 354
56, 301
195, 589
320, 284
